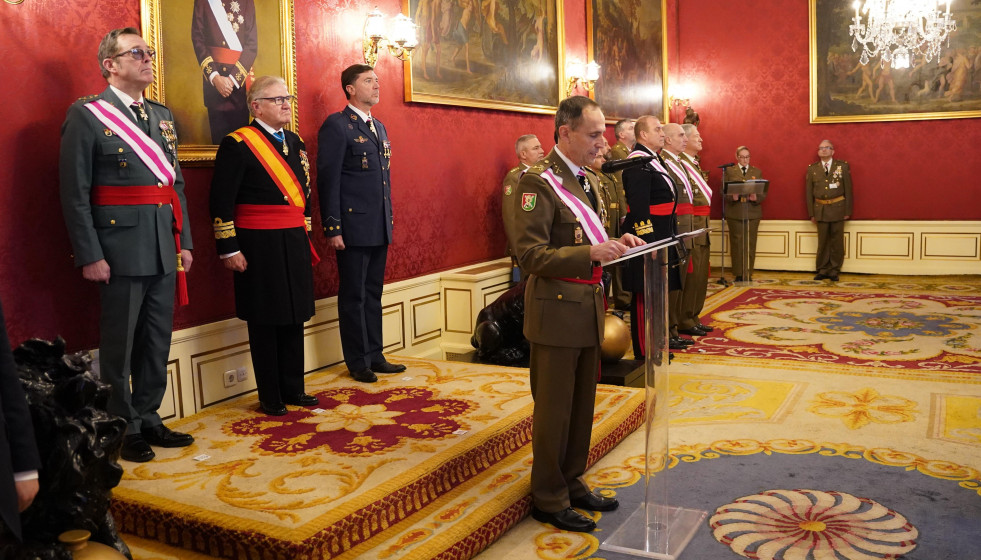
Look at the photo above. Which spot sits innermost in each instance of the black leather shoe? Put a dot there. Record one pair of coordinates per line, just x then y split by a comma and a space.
705, 328
162, 436
738, 279
302, 399
387, 367
833, 278
273, 409
364, 375
674, 344
136, 449
567, 520
595, 502
820, 277
683, 340
694, 331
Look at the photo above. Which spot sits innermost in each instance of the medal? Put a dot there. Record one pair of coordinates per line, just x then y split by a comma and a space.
364, 161
286, 149
578, 235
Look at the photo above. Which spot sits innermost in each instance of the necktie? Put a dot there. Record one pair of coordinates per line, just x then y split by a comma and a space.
581, 176
827, 167
745, 169
141, 117
371, 125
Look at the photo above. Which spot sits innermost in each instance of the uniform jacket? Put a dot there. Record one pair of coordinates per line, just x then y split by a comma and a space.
744, 209
277, 285
206, 36
700, 198
828, 186
644, 187
548, 247
683, 222
615, 199
18, 449
134, 240
619, 151
353, 180
509, 186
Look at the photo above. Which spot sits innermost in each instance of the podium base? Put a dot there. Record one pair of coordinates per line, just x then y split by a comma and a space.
742, 283
670, 530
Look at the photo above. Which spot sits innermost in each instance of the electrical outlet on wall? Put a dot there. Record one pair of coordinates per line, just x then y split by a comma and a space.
241, 374
229, 378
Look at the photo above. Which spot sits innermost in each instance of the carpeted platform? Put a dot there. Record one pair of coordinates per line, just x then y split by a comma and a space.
431, 463
803, 449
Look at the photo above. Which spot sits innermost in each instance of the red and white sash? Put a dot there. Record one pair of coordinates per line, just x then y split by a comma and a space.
680, 174
698, 179
149, 152
221, 17
587, 216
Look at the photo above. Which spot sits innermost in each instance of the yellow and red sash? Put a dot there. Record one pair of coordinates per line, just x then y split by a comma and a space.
249, 216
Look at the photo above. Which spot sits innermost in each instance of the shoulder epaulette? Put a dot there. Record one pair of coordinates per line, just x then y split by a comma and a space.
89, 97
157, 103
514, 169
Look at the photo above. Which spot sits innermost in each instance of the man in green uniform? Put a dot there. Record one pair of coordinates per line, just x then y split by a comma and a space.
529, 151
624, 133
743, 214
829, 204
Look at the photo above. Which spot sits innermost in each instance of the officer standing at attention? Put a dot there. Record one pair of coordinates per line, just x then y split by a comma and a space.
560, 242
354, 157
122, 195
829, 204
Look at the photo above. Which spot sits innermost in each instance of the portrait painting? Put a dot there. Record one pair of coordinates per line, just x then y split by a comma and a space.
208, 54
486, 53
626, 38
946, 86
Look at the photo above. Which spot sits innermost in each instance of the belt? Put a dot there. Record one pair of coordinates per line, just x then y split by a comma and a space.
829, 200
136, 195
267, 216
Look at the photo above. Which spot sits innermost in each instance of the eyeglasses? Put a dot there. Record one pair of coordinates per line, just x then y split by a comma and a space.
278, 100
138, 54
826, 147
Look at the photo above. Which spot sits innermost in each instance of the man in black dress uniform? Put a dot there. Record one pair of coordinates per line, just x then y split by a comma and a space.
260, 207
353, 179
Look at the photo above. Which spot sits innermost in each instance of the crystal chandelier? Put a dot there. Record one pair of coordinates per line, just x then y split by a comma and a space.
898, 30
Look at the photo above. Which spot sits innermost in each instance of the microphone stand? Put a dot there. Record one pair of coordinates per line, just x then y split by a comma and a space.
722, 279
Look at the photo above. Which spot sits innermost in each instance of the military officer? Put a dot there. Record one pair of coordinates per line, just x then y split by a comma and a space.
122, 195
260, 196
529, 151
353, 161
226, 42
829, 204
743, 213
615, 206
559, 240
675, 142
624, 133
693, 297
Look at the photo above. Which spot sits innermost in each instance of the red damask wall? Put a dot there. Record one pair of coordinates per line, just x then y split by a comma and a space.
447, 161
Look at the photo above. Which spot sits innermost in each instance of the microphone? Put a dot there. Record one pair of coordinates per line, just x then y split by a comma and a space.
621, 164
724, 165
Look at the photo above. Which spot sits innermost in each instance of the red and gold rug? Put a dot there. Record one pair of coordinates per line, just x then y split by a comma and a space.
883, 325
431, 463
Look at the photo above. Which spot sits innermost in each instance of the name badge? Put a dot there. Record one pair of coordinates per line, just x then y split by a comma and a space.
833, 186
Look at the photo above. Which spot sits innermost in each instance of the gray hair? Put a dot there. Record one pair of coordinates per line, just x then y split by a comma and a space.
259, 87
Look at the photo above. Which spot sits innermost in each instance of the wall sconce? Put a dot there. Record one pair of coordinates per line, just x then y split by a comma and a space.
399, 42
580, 75
680, 96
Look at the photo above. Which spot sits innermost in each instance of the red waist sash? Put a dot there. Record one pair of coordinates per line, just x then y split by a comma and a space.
265, 216
664, 209
596, 278
225, 56
701, 210
684, 208
104, 195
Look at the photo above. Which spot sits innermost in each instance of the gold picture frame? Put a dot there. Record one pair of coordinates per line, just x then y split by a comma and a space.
515, 54
844, 90
625, 80
178, 78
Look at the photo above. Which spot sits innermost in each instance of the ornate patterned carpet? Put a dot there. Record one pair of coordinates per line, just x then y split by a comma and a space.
819, 421
431, 463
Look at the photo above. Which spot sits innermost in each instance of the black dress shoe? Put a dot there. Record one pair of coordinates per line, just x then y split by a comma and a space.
302, 399
833, 278
705, 328
820, 277
694, 331
136, 449
567, 520
595, 502
676, 344
162, 436
364, 375
738, 279
387, 367
273, 409
682, 340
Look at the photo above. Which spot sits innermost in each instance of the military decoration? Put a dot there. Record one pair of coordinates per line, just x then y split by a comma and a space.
306, 165
350, 127
234, 15
507, 190
528, 201
169, 134
364, 161
107, 132
388, 148
360, 139
354, 117
578, 235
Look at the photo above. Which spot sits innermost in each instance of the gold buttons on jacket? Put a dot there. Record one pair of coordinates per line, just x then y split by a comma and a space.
112, 222
160, 185
596, 289
559, 296
120, 150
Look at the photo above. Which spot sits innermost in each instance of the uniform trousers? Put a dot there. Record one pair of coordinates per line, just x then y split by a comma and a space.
361, 272
277, 359
831, 247
676, 298
135, 330
696, 284
563, 385
741, 233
